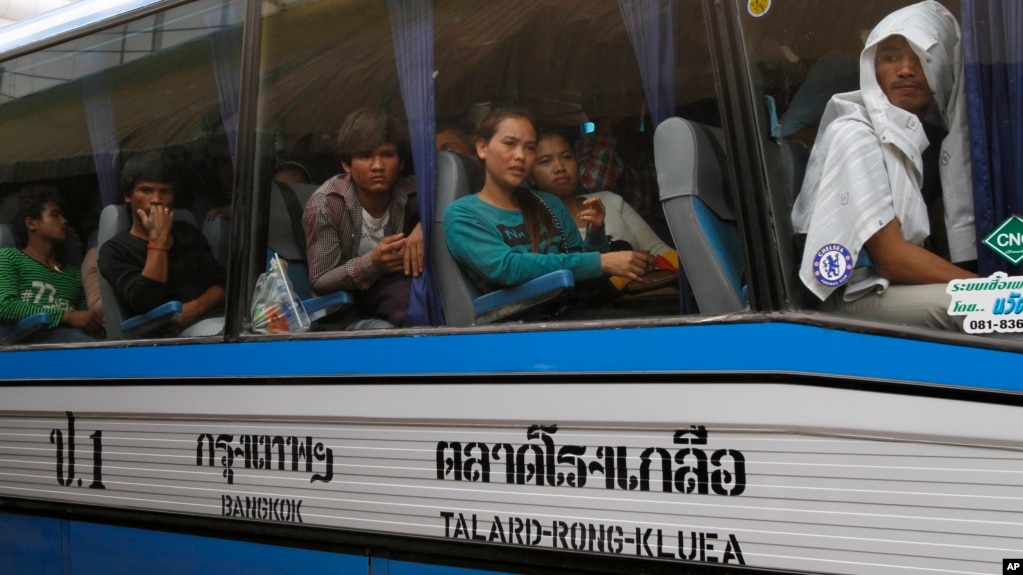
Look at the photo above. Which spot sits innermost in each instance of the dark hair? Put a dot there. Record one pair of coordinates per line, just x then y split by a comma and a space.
487, 126
31, 201
539, 223
366, 129
155, 166
550, 131
453, 124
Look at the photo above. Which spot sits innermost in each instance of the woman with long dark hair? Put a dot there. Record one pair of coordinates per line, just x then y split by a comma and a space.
506, 234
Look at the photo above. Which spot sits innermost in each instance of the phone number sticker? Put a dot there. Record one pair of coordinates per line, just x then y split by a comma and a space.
991, 304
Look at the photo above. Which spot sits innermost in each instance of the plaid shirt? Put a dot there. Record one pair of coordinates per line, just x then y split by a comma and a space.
602, 169
332, 221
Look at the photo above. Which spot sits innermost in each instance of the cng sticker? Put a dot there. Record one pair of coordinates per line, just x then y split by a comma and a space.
1007, 239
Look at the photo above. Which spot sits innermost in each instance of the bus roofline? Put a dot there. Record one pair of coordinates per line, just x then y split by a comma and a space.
54, 23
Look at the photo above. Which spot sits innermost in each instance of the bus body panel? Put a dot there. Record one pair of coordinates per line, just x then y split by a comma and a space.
790, 477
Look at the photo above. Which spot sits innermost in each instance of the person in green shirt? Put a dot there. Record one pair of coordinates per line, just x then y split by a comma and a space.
34, 279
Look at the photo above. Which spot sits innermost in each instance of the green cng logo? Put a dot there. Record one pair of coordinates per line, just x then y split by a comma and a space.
1007, 239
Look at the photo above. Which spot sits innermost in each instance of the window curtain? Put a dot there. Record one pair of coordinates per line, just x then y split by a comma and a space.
99, 115
226, 51
650, 25
412, 33
993, 53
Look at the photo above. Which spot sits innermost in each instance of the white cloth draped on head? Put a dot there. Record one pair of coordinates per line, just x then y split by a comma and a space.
866, 168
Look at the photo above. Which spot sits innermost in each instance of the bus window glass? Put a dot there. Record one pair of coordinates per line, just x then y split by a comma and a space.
848, 201
73, 115
571, 66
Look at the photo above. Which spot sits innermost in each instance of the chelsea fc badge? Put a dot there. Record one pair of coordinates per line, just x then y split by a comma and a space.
832, 265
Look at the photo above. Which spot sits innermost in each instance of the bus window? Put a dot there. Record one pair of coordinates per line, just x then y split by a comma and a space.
847, 200
570, 65
73, 115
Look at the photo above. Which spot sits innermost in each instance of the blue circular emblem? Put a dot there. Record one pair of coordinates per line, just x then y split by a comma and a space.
832, 265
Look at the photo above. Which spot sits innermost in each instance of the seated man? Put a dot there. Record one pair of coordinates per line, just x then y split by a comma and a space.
34, 279
874, 186
360, 233
159, 260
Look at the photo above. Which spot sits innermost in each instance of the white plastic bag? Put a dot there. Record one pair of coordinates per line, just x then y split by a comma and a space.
275, 307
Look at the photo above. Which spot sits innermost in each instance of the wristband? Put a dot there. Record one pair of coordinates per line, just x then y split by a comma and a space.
152, 247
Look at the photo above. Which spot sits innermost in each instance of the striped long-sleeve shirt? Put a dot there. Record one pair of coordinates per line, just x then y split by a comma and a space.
27, 287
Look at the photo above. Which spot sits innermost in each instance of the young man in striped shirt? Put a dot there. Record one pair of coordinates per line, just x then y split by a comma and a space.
34, 279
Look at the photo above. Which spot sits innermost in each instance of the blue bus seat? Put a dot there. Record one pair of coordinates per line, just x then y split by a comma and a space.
149, 323
24, 329
463, 305
286, 238
695, 199
113, 220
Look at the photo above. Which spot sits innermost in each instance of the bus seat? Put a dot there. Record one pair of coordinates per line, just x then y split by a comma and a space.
789, 159
286, 238
113, 220
793, 157
24, 329
693, 193
7, 237
29, 326
218, 233
457, 176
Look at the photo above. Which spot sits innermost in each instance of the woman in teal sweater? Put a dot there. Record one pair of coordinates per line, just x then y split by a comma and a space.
506, 234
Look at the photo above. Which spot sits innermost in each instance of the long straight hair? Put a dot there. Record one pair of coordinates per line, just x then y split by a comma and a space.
536, 215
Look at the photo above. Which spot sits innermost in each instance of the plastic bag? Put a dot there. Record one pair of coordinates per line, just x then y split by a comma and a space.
275, 307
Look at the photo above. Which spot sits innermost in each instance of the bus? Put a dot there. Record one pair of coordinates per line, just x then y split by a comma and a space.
760, 432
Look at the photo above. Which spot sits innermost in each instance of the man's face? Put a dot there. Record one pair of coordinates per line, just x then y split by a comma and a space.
146, 194
375, 171
51, 223
901, 76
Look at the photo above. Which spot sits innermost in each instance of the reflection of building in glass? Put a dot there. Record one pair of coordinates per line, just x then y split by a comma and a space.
16, 10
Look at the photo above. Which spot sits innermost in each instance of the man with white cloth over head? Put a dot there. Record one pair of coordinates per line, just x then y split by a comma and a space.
885, 210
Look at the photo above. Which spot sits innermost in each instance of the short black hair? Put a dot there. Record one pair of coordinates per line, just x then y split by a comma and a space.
570, 136
31, 201
154, 166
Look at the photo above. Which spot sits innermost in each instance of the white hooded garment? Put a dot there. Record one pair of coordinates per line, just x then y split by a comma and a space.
866, 168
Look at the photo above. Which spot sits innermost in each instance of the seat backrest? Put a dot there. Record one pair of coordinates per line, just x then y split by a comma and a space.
456, 177
696, 202
113, 220
218, 233
7, 237
285, 235
785, 161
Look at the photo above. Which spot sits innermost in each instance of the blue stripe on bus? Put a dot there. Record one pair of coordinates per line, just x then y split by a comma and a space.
724, 348
43, 546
